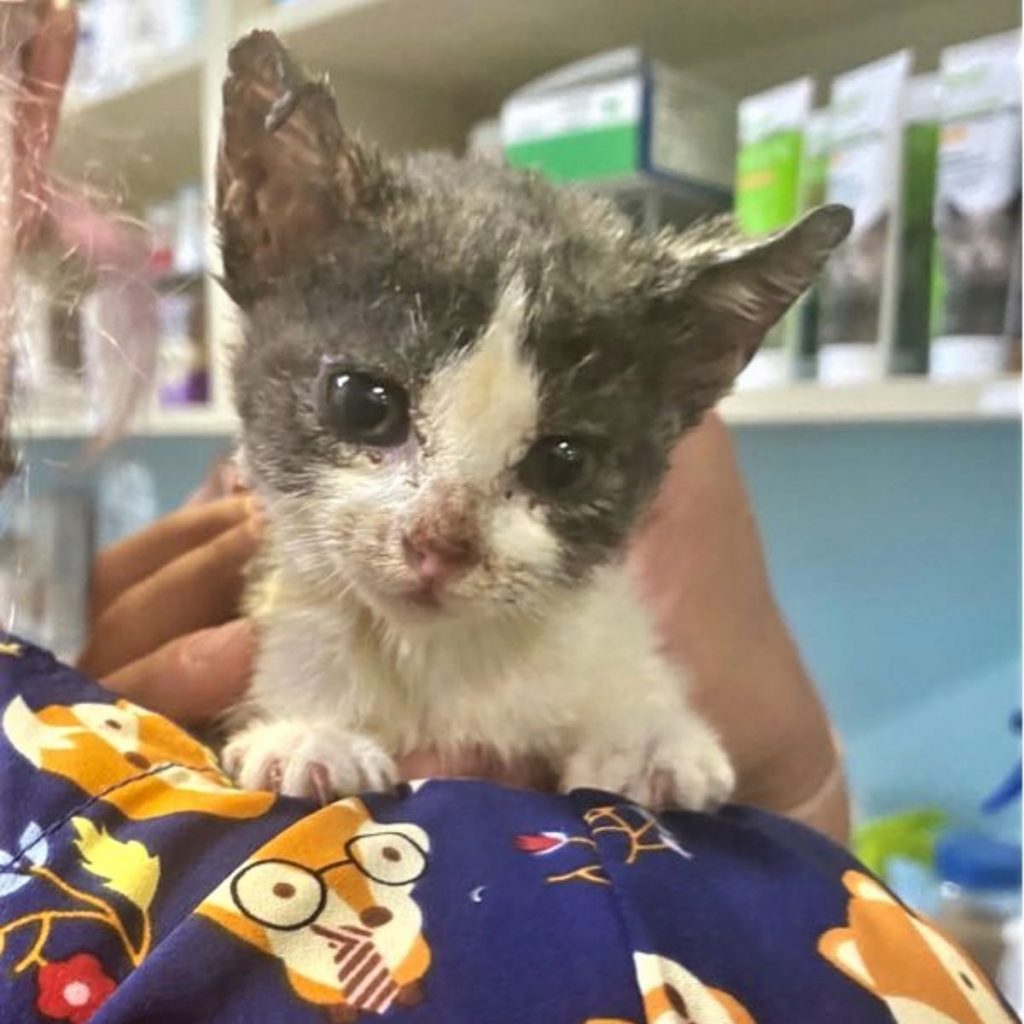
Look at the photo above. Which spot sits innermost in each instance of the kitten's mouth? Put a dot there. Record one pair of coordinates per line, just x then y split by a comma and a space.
406, 599
416, 595
423, 597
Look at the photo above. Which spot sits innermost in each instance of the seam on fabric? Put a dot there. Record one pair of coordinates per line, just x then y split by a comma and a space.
55, 825
627, 932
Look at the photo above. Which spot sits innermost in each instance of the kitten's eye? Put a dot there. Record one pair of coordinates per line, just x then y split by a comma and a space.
366, 410
554, 465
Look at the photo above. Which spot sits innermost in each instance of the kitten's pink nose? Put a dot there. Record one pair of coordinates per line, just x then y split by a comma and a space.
439, 558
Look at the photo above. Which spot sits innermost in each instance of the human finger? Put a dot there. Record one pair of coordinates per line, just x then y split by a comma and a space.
199, 589
192, 678
135, 558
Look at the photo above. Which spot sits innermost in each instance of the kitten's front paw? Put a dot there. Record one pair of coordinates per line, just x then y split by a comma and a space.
688, 770
314, 761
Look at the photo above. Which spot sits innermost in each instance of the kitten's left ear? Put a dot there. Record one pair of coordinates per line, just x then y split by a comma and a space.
288, 175
737, 289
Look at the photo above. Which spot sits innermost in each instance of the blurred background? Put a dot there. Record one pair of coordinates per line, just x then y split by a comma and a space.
880, 429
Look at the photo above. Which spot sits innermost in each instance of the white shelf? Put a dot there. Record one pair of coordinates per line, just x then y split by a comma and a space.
890, 401
198, 422
412, 73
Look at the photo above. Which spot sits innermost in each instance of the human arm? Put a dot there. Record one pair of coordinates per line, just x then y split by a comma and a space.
700, 566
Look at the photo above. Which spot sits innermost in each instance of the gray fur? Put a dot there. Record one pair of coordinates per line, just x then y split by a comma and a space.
394, 265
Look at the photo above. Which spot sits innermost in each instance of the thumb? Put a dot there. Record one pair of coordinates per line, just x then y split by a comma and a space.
193, 678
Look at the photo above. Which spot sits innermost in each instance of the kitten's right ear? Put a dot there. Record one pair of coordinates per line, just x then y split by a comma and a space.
736, 289
288, 176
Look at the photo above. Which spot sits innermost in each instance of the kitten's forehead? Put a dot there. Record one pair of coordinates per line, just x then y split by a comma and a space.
478, 409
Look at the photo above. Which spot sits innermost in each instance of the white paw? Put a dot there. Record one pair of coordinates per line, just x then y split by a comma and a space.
686, 769
305, 759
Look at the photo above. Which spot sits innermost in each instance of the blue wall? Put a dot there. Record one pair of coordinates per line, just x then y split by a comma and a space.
178, 464
896, 554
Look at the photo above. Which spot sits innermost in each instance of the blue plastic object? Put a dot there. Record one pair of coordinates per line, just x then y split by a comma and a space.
1010, 789
976, 861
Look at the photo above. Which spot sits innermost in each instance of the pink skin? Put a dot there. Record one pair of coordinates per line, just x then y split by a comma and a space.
436, 559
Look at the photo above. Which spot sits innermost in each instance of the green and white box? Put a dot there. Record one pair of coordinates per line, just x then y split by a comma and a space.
768, 170
618, 115
976, 308
860, 286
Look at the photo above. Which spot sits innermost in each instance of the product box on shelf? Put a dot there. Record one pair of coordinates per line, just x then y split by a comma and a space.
621, 115
769, 160
47, 348
976, 296
861, 283
176, 263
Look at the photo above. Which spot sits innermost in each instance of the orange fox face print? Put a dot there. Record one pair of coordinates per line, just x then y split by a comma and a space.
332, 899
920, 975
136, 760
673, 995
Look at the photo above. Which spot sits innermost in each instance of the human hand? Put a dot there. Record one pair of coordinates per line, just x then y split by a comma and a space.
165, 630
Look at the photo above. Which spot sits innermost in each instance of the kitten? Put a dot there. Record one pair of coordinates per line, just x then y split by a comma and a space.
459, 387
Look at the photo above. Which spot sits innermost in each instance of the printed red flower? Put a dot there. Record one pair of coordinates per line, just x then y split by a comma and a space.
73, 989
541, 842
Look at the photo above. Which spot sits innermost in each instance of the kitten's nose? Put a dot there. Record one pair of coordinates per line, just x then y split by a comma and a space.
439, 558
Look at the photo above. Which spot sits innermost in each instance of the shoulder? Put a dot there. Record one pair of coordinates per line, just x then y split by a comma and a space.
446, 900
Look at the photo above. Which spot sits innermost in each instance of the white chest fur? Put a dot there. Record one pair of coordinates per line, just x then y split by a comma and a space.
583, 688
516, 684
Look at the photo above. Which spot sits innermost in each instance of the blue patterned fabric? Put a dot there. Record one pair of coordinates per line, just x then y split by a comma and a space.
136, 884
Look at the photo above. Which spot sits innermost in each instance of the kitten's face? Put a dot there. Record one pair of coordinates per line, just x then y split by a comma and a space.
459, 386
467, 450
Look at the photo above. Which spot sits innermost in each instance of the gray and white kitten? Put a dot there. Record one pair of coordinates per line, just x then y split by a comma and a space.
459, 387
